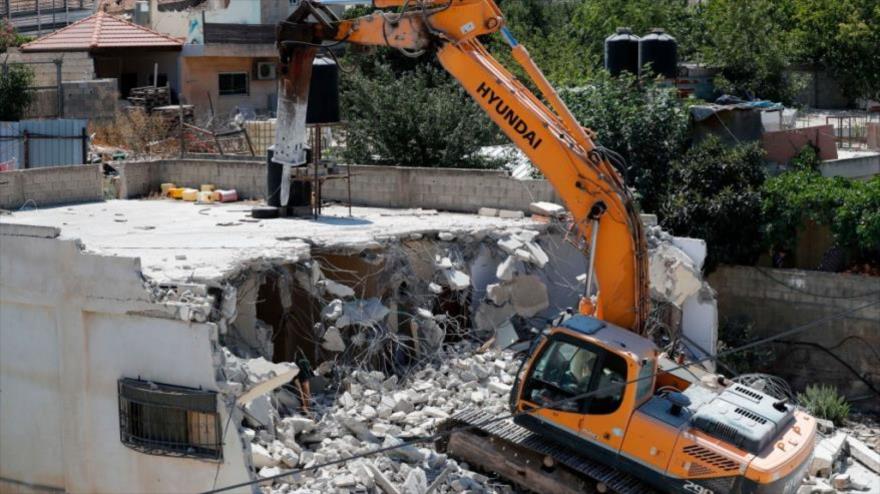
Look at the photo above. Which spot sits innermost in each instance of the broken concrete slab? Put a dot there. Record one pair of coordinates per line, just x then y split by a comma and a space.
264, 376
550, 209
827, 451
528, 295
507, 269
863, 454
362, 312
332, 341
457, 279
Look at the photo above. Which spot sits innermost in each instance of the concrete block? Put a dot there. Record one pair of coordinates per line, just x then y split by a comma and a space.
864, 454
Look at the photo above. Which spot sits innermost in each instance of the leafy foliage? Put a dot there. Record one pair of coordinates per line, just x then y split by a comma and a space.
749, 42
15, 95
823, 401
851, 208
842, 36
9, 37
643, 122
715, 194
417, 117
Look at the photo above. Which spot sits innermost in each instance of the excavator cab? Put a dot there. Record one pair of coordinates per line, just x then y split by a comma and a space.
607, 394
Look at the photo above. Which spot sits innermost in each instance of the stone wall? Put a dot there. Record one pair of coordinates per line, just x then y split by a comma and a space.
776, 300
447, 189
50, 186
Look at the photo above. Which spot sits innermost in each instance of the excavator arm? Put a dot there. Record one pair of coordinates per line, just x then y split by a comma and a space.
594, 192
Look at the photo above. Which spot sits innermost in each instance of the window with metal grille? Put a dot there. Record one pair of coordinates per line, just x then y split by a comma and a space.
161, 419
232, 83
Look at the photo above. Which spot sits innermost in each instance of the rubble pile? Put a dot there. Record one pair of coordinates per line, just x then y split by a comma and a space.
846, 459
374, 410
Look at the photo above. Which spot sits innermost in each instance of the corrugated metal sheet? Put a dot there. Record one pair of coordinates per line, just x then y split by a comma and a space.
55, 142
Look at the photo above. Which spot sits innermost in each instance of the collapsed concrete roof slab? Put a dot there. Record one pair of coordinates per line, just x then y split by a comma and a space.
185, 242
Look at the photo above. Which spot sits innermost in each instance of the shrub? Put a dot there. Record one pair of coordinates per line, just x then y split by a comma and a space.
413, 117
823, 401
15, 93
714, 193
850, 208
9, 37
137, 132
643, 122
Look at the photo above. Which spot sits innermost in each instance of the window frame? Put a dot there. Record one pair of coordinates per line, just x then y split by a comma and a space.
247, 84
603, 356
182, 412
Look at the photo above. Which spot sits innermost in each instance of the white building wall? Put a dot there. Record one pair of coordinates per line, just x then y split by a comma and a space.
71, 325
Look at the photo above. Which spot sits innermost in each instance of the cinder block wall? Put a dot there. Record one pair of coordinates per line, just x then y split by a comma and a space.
51, 186
95, 99
447, 189
776, 300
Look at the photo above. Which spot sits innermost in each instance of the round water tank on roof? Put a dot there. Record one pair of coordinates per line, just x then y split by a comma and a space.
659, 51
622, 52
323, 92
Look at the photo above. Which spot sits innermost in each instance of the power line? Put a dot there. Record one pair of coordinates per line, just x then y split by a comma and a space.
434, 437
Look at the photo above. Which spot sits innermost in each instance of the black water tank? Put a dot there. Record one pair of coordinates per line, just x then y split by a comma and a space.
622, 52
323, 93
659, 51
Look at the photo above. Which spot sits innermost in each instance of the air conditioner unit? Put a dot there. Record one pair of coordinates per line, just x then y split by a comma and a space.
265, 71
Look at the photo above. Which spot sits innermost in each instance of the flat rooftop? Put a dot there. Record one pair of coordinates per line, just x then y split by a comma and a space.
182, 241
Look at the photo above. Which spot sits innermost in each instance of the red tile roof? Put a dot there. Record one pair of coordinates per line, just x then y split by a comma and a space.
101, 31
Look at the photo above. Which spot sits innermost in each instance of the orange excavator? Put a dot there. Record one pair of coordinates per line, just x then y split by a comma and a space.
596, 405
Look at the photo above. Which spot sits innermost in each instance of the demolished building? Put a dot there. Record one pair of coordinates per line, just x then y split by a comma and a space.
150, 345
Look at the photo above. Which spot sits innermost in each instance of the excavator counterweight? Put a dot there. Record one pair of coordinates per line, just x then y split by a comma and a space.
595, 404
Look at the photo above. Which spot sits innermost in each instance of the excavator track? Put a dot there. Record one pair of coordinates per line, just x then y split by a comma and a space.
524, 457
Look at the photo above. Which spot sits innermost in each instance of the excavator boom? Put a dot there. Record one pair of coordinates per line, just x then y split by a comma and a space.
591, 188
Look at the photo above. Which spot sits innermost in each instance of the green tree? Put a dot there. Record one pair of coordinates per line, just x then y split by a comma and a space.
414, 117
643, 122
841, 36
595, 20
15, 93
714, 193
850, 208
749, 41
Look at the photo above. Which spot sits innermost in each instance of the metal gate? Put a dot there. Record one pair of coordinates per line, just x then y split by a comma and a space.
42, 143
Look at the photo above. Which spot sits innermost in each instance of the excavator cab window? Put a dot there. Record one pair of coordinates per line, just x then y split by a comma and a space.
568, 368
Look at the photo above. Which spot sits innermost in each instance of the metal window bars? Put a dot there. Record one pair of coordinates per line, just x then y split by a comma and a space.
167, 420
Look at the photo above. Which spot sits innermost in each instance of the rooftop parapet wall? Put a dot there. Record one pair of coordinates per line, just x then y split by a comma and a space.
50, 186
448, 189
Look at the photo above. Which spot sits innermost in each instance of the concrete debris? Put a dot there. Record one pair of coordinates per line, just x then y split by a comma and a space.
864, 454
674, 277
456, 279
337, 289
547, 209
508, 214
332, 341
362, 313
375, 411
488, 212
826, 453
528, 294
507, 269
